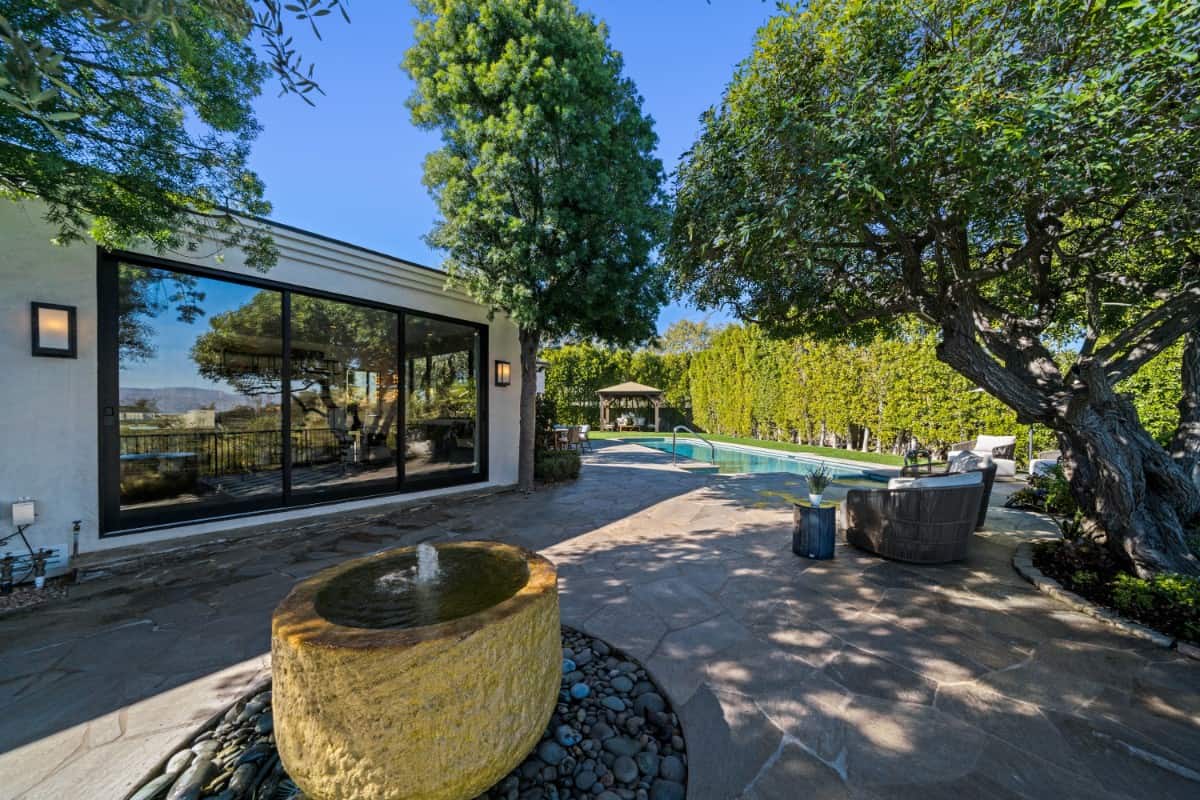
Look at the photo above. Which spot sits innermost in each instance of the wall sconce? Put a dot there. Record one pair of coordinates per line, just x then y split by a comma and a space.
503, 373
53, 330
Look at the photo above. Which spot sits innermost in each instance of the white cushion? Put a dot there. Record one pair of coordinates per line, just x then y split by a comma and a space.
968, 460
937, 481
1042, 466
989, 443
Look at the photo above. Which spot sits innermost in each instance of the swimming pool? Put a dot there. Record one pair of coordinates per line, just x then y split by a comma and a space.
733, 459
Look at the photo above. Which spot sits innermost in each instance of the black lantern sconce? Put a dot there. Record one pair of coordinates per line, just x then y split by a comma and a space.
53, 330
503, 373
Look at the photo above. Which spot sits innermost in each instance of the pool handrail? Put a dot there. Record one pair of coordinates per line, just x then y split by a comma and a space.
712, 450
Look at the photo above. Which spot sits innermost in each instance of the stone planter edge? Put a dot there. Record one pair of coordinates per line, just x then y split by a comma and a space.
1023, 563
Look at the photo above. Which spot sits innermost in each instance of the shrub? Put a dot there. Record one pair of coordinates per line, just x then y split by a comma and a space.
1085, 579
556, 465
1059, 499
1050, 493
545, 413
1082, 566
1168, 602
1027, 498
1071, 527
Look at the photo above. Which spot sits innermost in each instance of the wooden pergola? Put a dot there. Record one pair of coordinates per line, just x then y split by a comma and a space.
629, 391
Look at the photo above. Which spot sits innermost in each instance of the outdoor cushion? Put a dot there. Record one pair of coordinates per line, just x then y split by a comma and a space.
987, 444
946, 481
937, 481
967, 460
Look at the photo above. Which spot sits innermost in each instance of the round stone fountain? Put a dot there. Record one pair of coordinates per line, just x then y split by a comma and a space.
417, 673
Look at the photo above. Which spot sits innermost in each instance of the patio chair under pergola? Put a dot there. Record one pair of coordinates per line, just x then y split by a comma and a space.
629, 391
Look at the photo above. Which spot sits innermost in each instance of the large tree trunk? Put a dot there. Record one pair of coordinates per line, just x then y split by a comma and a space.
1130, 490
529, 340
1185, 447
1133, 495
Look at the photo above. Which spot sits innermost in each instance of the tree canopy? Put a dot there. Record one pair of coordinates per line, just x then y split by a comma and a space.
1013, 174
133, 120
687, 336
549, 193
548, 190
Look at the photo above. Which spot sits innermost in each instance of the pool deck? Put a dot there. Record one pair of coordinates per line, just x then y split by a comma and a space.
849, 678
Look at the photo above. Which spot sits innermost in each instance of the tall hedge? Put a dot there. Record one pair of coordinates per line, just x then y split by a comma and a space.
575, 372
886, 395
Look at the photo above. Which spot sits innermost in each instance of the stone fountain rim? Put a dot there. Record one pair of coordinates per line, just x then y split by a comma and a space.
297, 620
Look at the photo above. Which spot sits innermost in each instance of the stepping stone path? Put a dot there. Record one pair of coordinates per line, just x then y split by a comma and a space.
595, 746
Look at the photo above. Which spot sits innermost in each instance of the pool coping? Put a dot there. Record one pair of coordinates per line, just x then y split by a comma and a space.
878, 472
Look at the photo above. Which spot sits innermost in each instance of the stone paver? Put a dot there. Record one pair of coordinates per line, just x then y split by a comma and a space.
851, 678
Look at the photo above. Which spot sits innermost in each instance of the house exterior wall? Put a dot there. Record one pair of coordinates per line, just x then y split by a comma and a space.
49, 411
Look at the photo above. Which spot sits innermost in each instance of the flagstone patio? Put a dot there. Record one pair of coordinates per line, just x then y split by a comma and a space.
854, 677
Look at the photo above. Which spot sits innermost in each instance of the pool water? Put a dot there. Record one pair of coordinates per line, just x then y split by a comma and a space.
732, 459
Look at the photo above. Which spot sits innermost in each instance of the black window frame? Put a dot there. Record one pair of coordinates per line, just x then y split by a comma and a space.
114, 522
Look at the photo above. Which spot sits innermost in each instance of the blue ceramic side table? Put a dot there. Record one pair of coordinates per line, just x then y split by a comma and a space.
815, 530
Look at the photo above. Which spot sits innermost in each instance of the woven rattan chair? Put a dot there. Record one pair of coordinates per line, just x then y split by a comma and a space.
921, 524
1000, 449
936, 470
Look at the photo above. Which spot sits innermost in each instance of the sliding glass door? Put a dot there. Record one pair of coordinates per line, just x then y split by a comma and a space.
223, 396
344, 392
198, 415
441, 406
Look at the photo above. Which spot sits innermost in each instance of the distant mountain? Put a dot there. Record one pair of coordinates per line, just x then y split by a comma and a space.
177, 399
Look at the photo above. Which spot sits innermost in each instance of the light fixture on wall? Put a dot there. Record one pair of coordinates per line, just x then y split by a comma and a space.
503, 373
53, 330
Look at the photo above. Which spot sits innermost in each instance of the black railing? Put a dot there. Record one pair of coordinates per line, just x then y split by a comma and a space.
234, 452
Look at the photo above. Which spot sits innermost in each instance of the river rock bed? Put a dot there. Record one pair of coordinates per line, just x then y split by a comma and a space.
612, 736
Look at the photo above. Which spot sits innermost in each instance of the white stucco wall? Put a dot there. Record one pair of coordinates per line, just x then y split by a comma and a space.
49, 406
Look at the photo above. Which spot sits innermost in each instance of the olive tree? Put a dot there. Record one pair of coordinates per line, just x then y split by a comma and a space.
549, 193
1016, 175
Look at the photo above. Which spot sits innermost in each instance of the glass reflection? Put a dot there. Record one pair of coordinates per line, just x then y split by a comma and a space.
344, 389
441, 401
198, 389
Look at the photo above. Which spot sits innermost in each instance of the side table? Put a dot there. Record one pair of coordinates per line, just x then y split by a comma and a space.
815, 530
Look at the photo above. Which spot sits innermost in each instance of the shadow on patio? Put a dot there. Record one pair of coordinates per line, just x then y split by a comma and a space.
853, 676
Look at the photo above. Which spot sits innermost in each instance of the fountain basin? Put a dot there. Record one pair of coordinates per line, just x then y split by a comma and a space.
384, 688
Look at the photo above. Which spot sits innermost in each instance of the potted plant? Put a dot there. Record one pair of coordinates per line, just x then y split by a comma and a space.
819, 478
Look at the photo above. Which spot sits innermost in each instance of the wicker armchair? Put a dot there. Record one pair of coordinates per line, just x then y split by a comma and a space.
943, 469
1005, 448
921, 524
1001, 449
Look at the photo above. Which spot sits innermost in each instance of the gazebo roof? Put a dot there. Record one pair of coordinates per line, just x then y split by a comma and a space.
630, 388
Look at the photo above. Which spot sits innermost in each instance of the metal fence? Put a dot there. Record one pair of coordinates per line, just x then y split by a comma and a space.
235, 452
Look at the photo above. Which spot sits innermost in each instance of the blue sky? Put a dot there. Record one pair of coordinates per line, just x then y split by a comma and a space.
351, 167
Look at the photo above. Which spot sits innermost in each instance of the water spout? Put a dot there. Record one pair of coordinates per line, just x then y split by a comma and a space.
427, 563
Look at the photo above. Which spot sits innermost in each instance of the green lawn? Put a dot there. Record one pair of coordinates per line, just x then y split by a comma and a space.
829, 452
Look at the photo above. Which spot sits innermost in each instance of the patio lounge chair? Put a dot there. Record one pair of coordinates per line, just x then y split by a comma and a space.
573, 439
584, 442
987, 470
924, 521
1045, 462
1001, 449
